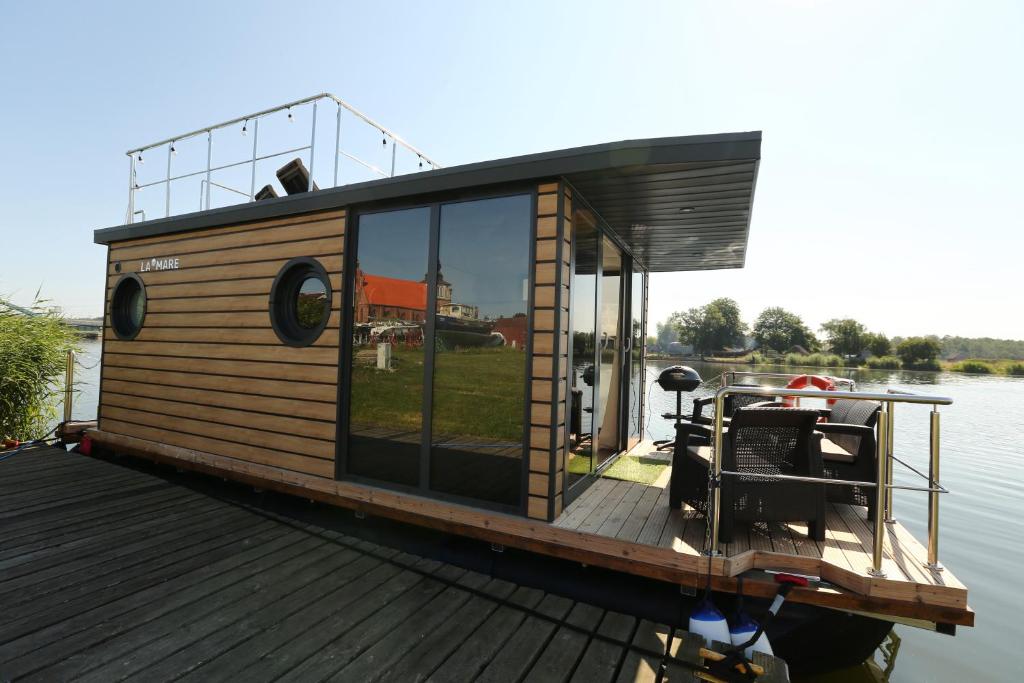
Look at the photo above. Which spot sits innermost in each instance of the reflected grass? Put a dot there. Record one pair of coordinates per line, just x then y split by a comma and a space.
478, 393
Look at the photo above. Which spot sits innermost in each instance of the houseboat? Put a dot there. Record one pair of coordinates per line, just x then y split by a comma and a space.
462, 350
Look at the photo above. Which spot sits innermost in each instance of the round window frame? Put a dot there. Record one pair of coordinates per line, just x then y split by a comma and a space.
120, 318
283, 311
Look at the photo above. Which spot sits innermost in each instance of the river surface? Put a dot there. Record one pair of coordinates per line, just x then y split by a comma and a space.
982, 530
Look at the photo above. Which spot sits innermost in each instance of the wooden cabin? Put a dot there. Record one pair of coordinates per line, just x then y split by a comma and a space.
461, 349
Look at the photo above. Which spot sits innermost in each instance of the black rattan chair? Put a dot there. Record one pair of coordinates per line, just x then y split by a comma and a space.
731, 403
760, 440
848, 450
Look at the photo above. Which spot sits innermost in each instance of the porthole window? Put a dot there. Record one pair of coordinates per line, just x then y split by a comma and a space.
128, 306
300, 302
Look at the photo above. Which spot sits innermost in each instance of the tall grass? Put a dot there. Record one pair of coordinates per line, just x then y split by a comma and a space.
819, 360
975, 366
884, 363
33, 357
1015, 369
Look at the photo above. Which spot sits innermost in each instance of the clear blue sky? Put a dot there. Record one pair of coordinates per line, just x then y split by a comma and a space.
890, 188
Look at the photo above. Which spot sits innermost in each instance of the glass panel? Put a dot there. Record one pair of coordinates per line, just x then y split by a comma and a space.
136, 306
610, 383
479, 359
390, 302
583, 290
636, 358
309, 302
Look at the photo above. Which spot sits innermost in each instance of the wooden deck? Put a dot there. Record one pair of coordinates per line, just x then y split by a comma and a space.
640, 514
111, 573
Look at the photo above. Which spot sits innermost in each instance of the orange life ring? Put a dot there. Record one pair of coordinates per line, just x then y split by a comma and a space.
817, 381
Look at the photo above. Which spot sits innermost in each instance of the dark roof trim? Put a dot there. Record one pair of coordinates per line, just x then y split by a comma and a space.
692, 148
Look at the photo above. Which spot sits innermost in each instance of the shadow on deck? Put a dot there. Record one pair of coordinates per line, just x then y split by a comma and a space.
109, 572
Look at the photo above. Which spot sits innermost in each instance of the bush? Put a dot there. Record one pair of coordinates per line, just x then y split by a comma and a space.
818, 360
975, 366
919, 353
33, 354
1015, 369
884, 363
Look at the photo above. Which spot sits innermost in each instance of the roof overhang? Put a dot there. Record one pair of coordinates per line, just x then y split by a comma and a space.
681, 203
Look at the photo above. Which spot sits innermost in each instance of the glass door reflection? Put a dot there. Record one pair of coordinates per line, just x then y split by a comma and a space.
608, 420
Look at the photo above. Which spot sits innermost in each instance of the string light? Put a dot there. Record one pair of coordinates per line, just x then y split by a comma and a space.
290, 119
421, 160
140, 158
383, 139
173, 150
244, 124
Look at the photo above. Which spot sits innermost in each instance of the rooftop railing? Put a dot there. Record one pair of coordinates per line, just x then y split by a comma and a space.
884, 455
252, 122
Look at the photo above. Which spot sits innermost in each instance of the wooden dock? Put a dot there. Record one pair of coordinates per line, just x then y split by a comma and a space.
110, 573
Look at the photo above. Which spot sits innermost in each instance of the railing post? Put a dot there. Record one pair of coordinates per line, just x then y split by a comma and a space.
131, 188
337, 145
252, 176
312, 149
209, 164
881, 444
716, 461
933, 493
889, 466
167, 193
394, 151
69, 383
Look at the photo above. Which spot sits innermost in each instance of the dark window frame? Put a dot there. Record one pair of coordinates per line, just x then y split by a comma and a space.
120, 319
351, 247
282, 308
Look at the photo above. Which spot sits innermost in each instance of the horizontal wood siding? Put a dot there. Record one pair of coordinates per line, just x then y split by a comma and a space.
207, 372
548, 367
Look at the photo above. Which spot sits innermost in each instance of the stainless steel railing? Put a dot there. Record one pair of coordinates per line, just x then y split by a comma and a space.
884, 460
135, 155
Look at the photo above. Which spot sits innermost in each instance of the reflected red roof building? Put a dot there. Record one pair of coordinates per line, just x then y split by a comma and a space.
389, 298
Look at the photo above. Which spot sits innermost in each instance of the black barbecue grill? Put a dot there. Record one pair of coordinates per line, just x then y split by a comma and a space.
678, 378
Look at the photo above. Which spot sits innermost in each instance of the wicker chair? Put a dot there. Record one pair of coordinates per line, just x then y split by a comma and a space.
761, 440
848, 450
730, 404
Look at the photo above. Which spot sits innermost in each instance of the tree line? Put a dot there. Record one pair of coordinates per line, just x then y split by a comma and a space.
718, 326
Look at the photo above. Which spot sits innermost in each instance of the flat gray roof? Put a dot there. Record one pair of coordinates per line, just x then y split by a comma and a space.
681, 203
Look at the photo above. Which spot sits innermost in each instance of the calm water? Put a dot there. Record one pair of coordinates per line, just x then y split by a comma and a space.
982, 530
981, 526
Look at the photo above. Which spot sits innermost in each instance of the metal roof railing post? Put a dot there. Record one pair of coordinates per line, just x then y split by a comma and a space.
312, 149
881, 447
252, 178
209, 163
394, 151
337, 145
167, 193
933, 494
131, 188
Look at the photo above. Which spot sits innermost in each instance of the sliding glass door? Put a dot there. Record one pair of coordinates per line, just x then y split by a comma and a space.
437, 356
607, 342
